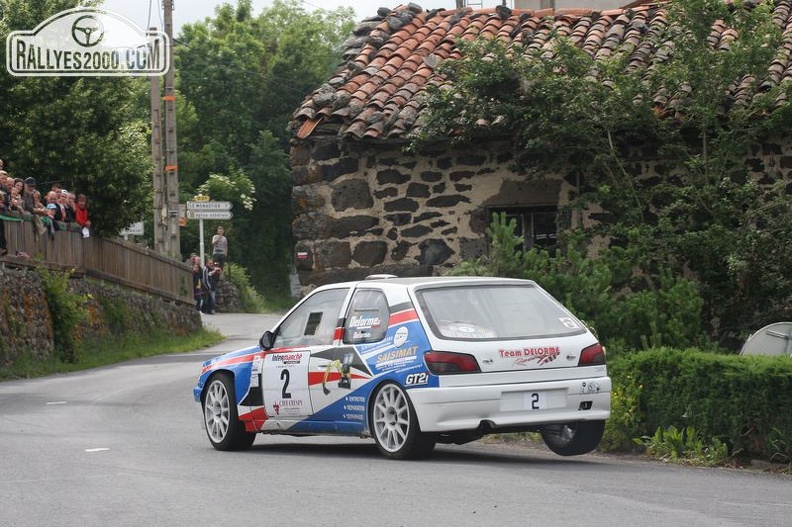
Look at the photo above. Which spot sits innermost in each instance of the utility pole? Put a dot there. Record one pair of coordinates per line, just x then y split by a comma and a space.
160, 210
173, 240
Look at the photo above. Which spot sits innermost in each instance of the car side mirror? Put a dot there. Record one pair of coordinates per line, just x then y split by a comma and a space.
267, 340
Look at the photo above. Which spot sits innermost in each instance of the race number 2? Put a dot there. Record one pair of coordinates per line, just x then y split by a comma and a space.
285, 378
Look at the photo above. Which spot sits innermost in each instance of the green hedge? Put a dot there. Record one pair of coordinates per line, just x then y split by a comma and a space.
743, 401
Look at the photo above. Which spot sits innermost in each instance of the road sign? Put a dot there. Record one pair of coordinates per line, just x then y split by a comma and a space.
209, 214
134, 229
208, 205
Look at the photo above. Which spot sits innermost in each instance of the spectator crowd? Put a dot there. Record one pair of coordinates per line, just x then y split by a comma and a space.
205, 280
206, 277
58, 209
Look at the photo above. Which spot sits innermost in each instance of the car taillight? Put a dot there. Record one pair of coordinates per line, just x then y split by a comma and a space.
593, 355
443, 362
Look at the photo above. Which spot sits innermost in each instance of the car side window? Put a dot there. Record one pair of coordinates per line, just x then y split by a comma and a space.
314, 322
367, 318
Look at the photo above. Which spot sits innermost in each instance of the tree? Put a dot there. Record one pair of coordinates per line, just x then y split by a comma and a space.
586, 117
242, 76
87, 133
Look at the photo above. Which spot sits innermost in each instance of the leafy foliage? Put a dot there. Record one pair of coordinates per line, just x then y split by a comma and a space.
626, 308
715, 394
686, 444
67, 310
626, 420
241, 76
86, 133
235, 187
251, 300
594, 119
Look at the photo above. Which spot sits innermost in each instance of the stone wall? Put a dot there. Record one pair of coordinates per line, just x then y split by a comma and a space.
371, 208
26, 323
379, 210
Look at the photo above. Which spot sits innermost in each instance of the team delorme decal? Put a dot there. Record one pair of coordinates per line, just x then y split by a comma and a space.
523, 356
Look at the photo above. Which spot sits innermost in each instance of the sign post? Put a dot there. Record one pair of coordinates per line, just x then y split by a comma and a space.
207, 210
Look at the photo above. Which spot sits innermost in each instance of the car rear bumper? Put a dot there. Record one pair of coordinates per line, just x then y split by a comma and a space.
448, 409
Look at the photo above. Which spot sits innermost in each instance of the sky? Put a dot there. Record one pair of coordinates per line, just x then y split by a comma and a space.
189, 11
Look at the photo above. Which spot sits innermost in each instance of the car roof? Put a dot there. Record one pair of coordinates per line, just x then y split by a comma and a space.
419, 281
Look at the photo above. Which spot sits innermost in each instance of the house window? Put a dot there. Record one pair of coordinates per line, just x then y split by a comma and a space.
536, 225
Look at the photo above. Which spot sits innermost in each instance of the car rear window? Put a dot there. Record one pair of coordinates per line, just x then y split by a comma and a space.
490, 312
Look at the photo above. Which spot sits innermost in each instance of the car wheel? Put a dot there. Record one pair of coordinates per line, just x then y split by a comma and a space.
573, 439
395, 425
225, 430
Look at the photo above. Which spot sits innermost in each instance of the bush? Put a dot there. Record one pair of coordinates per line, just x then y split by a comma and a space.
625, 306
252, 302
742, 401
685, 445
626, 421
67, 310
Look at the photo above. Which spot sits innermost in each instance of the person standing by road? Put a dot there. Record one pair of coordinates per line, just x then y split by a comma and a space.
198, 288
219, 247
211, 277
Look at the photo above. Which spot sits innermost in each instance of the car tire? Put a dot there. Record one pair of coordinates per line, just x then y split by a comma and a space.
573, 439
394, 425
223, 427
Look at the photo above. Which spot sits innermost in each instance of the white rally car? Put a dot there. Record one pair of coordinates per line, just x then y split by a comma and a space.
412, 362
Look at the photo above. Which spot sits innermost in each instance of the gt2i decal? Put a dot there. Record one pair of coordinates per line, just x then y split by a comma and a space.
416, 379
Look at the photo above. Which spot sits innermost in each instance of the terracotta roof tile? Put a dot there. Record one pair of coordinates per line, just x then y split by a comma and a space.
391, 58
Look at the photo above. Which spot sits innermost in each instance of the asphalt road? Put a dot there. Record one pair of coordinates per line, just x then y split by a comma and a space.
122, 446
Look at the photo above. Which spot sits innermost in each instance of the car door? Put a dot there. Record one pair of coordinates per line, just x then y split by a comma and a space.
340, 372
309, 328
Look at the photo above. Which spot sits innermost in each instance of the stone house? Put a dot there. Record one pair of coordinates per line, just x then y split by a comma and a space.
362, 205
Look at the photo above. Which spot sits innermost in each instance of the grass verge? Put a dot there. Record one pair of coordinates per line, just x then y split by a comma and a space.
110, 351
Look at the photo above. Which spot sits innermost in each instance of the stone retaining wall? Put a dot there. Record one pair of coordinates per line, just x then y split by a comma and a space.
26, 324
